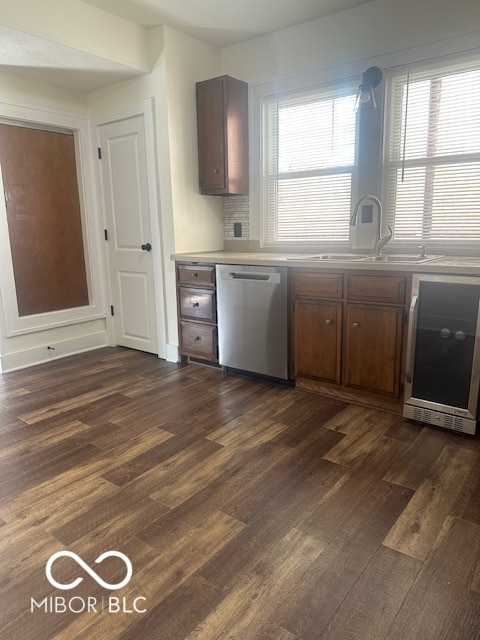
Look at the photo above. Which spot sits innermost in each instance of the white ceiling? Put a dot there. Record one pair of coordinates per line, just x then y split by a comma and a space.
219, 22
32, 57
223, 22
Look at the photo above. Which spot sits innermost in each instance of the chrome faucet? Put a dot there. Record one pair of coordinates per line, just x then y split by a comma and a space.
379, 241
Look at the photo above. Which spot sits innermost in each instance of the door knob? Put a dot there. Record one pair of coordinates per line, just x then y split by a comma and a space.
146, 247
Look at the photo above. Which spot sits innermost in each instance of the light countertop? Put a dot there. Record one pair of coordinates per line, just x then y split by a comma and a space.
447, 264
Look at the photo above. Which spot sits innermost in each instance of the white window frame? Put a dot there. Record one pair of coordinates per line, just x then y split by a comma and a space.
299, 84
389, 165
371, 176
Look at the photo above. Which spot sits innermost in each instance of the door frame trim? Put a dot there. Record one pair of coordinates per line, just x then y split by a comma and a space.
145, 109
18, 325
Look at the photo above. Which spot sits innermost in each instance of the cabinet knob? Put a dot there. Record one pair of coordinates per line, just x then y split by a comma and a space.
195, 304
356, 325
215, 171
195, 275
328, 321
197, 339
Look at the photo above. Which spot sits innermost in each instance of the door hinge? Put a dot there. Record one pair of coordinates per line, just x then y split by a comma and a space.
99, 153
112, 310
105, 233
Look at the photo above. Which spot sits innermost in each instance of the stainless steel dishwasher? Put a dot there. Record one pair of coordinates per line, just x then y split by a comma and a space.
252, 319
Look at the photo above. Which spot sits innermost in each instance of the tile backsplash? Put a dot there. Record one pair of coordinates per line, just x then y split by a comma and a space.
236, 209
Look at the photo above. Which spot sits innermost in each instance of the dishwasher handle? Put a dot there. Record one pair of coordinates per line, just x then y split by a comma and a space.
412, 328
273, 278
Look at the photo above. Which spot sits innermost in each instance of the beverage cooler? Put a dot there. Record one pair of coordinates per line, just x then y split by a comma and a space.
443, 356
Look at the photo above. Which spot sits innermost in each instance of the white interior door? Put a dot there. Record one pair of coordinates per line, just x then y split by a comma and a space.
130, 245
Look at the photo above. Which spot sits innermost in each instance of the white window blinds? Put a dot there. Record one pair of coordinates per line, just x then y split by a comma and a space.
309, 157
433, 153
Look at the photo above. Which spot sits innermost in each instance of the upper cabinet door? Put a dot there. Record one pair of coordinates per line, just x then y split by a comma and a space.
222, 125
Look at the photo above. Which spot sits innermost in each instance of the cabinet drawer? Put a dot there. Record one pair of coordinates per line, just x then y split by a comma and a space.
387, 289
203, 275
198, 304
198, 339
318, 285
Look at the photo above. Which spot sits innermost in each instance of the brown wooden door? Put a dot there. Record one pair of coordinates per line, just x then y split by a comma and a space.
317, 339
373, 341
44, 221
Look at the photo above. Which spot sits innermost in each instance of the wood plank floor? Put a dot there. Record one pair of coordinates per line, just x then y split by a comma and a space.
249, 511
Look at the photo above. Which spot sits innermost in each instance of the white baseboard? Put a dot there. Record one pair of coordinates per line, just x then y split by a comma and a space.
57, 350
172, 353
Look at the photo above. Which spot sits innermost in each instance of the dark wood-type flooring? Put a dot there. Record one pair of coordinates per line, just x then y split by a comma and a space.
249, 511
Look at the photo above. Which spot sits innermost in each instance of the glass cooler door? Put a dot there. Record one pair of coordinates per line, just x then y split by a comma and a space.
445, 341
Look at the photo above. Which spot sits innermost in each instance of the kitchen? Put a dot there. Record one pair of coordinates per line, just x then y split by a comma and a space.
316, 148
153, 72
164, 74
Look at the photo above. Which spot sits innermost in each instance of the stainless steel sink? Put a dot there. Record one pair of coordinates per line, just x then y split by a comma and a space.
393, 258
402, 258
332, 257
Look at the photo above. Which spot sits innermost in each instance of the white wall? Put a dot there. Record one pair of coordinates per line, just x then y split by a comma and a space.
373, 29
79, 26
198, 219
22, 91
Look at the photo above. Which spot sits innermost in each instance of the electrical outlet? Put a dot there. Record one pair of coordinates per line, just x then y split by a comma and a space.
367, 214
237, 229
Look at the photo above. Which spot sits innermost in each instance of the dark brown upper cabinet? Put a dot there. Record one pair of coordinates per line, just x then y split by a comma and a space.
222, 125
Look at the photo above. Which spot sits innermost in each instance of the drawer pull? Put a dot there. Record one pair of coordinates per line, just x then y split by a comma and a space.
356, 325
328, 321
196, 304
197, 339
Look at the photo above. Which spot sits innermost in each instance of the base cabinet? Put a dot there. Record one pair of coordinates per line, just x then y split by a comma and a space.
373, 348
318, 358
197, 311
348, 331
199, 341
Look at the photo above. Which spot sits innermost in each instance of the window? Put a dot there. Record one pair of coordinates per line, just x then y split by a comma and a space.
432, 153
308, 164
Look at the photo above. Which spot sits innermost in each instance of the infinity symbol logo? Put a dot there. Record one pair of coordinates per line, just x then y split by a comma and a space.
95, 576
